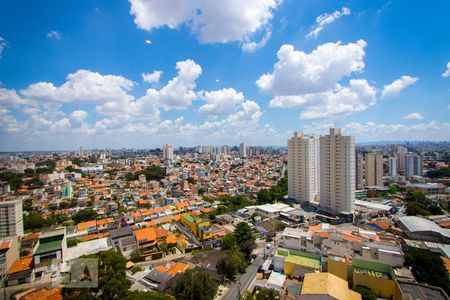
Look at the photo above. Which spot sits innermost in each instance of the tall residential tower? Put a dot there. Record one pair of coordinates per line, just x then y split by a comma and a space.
303, 175
337, 172
374, 169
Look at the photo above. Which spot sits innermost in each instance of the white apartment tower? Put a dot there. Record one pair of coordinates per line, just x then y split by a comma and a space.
242, 150
359, 171
167, 152
392, 166
374, 169
337, 172
303, 171
413, 164
11, 217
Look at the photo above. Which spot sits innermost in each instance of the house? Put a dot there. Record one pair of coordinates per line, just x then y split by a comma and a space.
51, 248
201, 228
9, 253
147, 244
21, 272
317, 286
123, 240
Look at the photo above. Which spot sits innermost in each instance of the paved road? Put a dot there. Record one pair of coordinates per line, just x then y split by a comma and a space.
245, 279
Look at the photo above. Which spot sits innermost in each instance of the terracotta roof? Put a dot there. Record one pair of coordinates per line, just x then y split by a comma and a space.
161, 233
145, 234
5, 245
44, 294
21, 265
85, 225
171, 239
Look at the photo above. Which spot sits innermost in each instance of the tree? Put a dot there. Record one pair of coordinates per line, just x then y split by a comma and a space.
393, 189
195, 285
228, 266
229, 242
135, 255
266, 294
84, 215
243, 233
264, 196
202, 191
191, 180
428, 267
366, 294
138, 295
416, 196
112, 282
33, 221
245, 238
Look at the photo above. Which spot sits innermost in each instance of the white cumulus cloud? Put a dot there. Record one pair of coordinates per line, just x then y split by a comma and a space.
218, 21
326, 19
394, 89
413, 116
54, 34
297, 72
2, 45
152, 77
445, 74
221, 102
82, 86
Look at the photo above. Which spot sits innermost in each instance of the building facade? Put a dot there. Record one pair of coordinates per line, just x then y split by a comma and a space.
337, 172
11, 217
167, 152
392, 166
374, 169
413, 165
303, 171
242, 150
359, 171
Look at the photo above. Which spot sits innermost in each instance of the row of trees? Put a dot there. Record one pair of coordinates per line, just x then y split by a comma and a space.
151, 173
418, 204
275, 193
237, 248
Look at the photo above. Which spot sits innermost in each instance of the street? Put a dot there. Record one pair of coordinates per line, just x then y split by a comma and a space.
245, 279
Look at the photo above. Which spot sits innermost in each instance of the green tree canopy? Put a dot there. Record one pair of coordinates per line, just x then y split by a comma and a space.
266, 294
195, 285
428, 267
229, 242
84, 215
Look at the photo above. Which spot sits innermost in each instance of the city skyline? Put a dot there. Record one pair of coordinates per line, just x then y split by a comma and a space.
130, 74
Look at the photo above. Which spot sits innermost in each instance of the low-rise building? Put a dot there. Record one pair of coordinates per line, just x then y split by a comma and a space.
317, 286
201, 228
50, 249
9, 253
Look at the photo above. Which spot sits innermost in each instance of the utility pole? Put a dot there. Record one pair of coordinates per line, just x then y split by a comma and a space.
239, 289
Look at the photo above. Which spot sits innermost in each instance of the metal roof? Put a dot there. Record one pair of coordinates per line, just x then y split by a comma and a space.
416, 224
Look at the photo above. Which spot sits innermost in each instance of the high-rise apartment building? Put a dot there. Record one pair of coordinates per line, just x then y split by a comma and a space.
11, 217
167, 152
413, 165
374, 169
359, 171
242, 150
303, 171
337, 172
67, 190
392, 166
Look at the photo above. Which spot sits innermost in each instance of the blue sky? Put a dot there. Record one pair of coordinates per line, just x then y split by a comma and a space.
227, 71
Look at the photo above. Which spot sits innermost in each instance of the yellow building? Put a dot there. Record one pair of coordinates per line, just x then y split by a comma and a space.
326, 285
292, 262
338, 266
201, 228
379, 278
